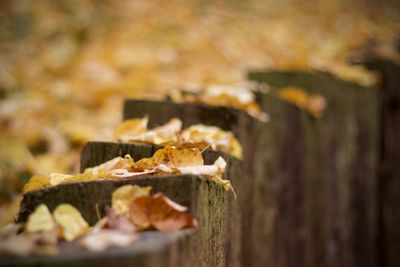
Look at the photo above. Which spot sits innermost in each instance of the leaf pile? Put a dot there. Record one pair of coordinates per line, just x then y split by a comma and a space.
133, 210
168, 160
314, 104
171, 133
239, 97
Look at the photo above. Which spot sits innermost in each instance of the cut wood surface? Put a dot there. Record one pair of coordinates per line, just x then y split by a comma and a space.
389, 172
95, 153
206, 202
252, 197
324, 171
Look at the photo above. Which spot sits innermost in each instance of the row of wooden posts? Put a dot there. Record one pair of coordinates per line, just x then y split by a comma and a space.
310, 192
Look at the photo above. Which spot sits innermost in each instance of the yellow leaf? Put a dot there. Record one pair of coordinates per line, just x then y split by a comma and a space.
314, 104
36, 182
71, 222
40, 220
58, 178
123, 196
171, 156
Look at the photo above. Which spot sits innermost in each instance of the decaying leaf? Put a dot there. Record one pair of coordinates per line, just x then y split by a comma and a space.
123, 196
159, 212
36, 182
106, 239
170, 156
314, 104
71, 222
40, 220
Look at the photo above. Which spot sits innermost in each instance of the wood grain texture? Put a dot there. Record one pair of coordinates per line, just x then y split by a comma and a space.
254, 193
324, 171
389, 157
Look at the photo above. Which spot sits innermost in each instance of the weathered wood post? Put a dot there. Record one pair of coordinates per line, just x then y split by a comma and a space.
250, 188
205, 200
325, 171
95, 153
389, 158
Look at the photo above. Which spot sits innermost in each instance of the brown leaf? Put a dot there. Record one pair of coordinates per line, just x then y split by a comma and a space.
171, 156
71, 222
161, 213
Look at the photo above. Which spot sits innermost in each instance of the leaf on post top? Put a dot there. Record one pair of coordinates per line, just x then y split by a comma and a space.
40, 220
170, 156
124, 195
314, 104
159, 212
71, 222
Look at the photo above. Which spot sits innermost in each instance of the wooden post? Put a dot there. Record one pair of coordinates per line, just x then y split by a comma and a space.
389, 157
206, 201
95, 153
252, 189
324, 171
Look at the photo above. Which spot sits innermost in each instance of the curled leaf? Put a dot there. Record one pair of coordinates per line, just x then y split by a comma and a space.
312, 103
213, 136
71, 222
36, 182
40, 220
160, 212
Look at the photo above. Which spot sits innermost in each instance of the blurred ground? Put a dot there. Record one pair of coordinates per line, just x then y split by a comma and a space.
66, 65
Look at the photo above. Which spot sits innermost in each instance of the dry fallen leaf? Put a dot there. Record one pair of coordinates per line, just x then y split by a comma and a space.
170, 156
238, 97
58, 178
106, 239
104, 167
36, 182
160, 212
71, 222
123, 196
314, 104
40, 220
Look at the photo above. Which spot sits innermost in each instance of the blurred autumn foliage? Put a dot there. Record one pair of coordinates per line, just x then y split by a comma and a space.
66, 65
